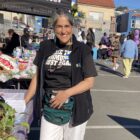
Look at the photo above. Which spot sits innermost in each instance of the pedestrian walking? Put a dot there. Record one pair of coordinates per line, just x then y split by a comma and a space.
115, 51
129, 52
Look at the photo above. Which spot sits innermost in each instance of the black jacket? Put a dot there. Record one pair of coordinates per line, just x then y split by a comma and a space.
13, 43
82, 67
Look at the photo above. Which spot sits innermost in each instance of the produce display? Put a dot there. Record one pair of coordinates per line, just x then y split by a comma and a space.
7, 63
19, 66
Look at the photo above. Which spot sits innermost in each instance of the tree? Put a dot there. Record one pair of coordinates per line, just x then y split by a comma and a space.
76, 13
121, 8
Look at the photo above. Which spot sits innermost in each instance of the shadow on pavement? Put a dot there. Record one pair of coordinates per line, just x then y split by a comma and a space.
132, 125
136, 66
135, 69
108, 69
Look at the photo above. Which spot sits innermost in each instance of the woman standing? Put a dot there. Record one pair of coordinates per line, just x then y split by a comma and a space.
65, 75
90, 38
115, 51
129, 52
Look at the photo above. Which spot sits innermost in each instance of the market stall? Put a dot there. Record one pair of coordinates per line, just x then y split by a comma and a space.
16, 70
24, 113
20, 66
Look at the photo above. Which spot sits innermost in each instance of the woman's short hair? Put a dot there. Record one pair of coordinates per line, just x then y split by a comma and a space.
60, 13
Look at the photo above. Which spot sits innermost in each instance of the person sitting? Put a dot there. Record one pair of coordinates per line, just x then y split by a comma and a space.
102, 52
34, 45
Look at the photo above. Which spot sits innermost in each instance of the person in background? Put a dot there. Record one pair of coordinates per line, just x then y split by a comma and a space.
115, 52
79, 36
25, 38
83, 35
90, 38
66, 79
104, 39
34, 45
102, 51
95, 52
122, 39
11, 43
129, 52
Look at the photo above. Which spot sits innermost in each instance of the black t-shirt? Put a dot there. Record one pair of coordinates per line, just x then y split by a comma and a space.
82, 67
58, 69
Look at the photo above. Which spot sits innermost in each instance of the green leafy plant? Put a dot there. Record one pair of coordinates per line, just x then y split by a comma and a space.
76, 13
7, 121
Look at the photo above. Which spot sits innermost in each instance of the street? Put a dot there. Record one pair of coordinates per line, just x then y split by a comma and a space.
116, 106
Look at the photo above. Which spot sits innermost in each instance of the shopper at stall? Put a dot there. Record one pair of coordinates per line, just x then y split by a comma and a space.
66, 79
11, 43
25, 38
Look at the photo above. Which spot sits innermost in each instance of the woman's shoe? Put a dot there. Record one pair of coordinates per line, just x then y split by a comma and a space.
125, 76
114, 68
117, 66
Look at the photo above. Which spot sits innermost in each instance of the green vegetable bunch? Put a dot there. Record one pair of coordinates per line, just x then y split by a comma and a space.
7, 120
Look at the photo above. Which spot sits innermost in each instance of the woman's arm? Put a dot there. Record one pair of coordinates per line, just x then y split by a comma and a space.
31, 90
63, 95
81, 87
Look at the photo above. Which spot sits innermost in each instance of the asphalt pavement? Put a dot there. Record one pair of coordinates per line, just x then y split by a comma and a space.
116, 105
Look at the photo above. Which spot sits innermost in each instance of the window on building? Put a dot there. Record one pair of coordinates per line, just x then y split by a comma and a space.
137, 23
96, 16
133, 23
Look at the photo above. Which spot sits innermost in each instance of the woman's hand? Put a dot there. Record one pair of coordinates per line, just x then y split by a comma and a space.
62, 95
60, 98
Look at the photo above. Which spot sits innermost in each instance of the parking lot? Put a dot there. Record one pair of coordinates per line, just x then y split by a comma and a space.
116, 106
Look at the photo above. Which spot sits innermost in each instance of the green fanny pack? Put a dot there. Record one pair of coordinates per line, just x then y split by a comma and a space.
57, 116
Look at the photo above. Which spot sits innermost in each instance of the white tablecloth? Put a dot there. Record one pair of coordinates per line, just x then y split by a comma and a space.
13, 95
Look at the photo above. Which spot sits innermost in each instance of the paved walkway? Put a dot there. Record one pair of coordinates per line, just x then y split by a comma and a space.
116, 105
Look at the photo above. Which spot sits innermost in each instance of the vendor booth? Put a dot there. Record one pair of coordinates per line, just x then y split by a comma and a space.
17, 71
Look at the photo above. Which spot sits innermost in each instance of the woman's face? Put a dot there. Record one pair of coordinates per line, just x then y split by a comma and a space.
63, 30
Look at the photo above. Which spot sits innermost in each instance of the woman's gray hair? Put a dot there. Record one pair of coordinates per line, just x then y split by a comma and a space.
60, 13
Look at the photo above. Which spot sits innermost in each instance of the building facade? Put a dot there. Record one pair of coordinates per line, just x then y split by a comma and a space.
34, 7
99, 14
16, 14
128, 21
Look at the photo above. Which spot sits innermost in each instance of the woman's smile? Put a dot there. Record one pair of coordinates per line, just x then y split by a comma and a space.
63, 30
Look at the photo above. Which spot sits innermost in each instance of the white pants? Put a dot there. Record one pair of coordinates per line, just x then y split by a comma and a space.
51, 131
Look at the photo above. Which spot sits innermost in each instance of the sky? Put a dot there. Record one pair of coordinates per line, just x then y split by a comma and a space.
131, 4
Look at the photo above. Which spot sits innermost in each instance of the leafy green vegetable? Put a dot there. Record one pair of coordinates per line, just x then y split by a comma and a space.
7, 120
